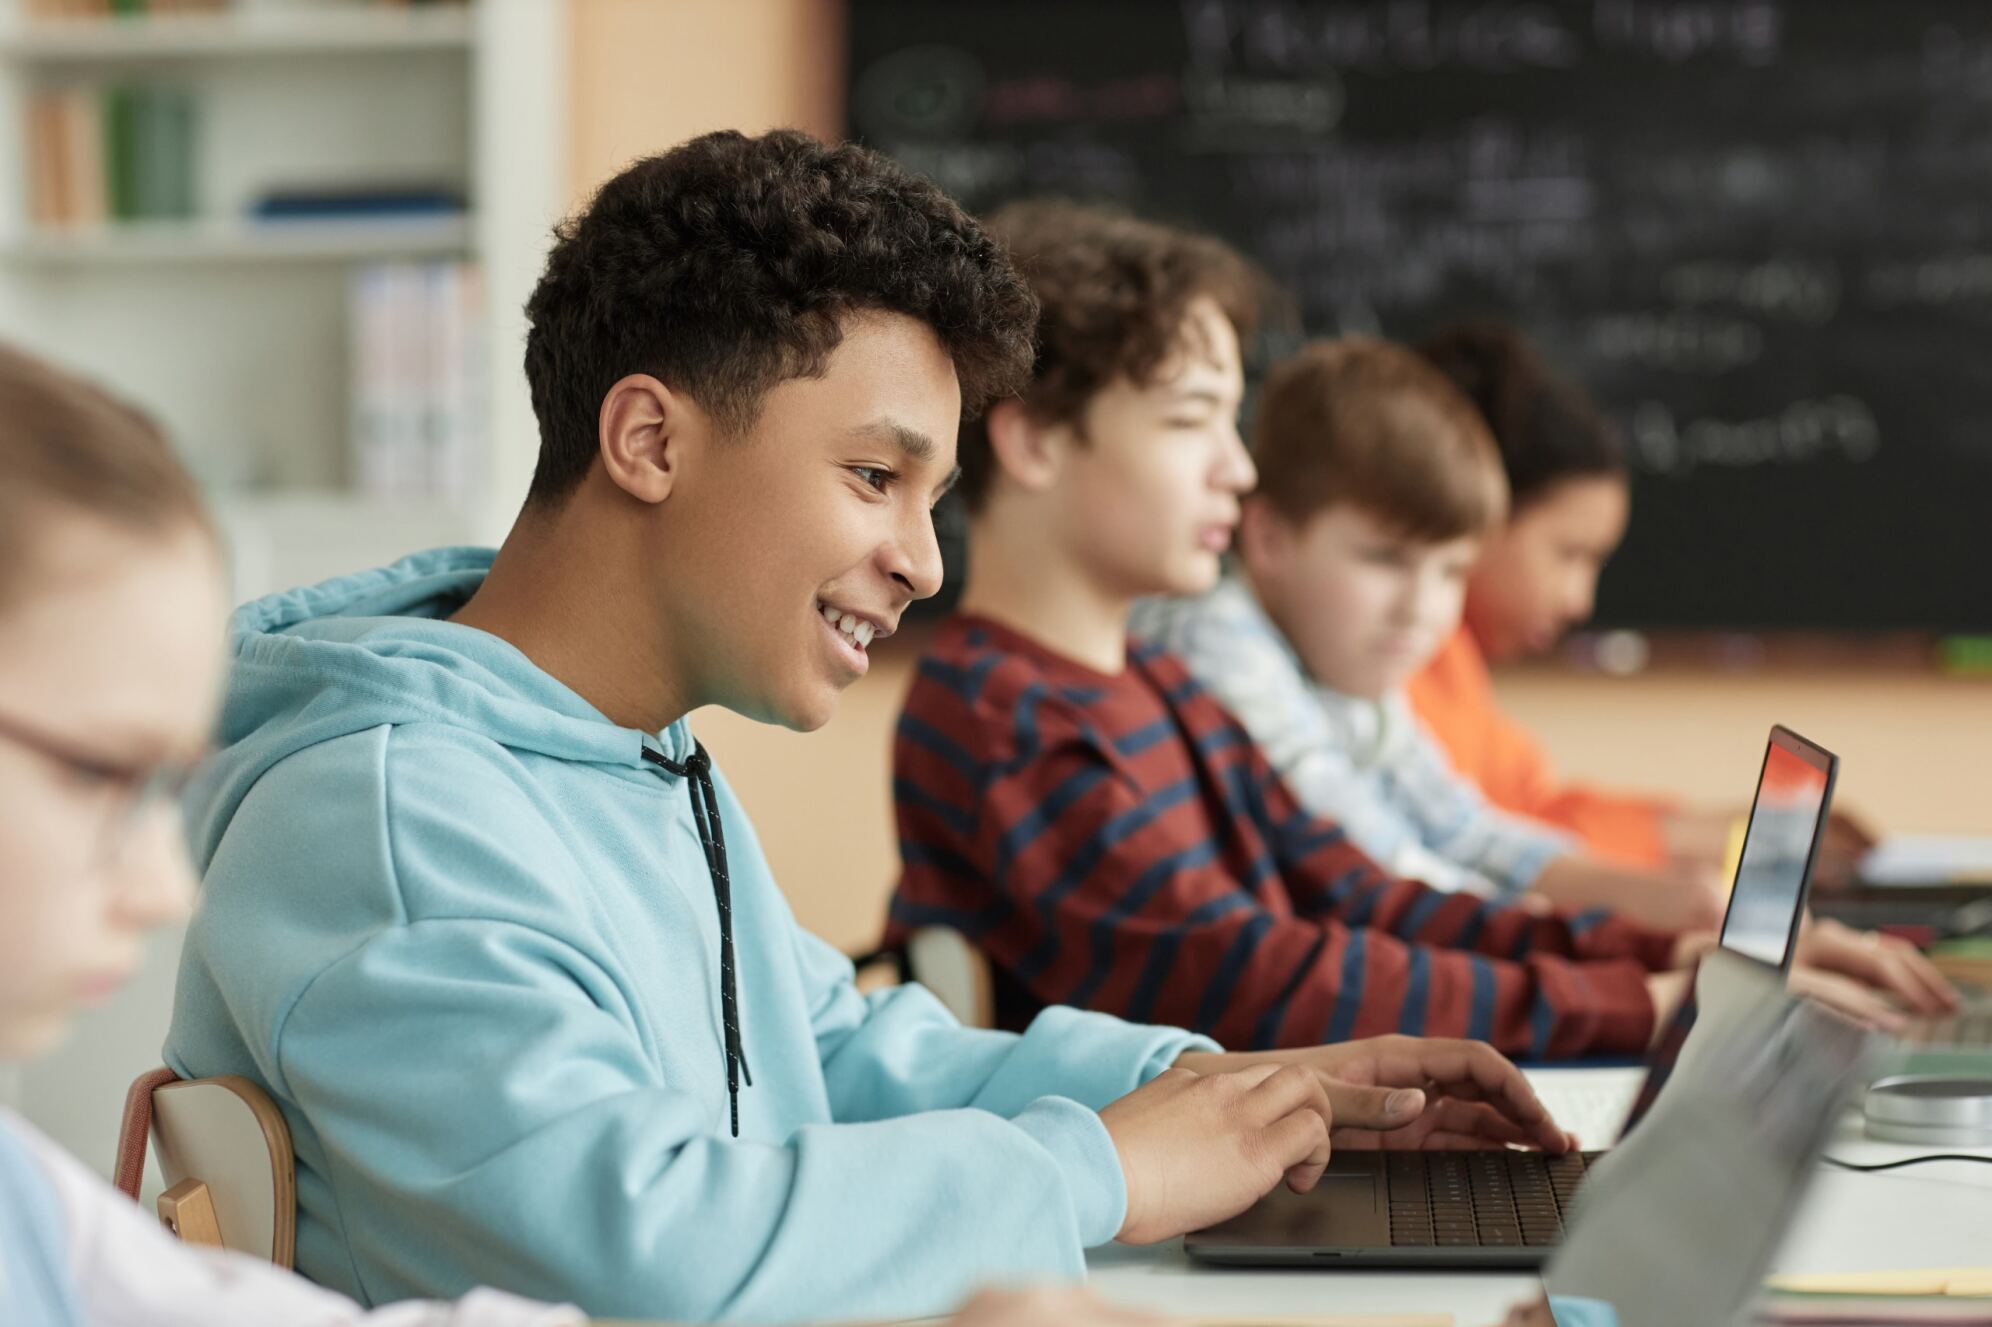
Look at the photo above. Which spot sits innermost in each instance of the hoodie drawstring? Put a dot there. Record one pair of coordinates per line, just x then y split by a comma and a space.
697, 769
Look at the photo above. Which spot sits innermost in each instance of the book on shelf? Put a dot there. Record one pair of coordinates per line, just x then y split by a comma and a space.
419, 379
359, 202
111, 152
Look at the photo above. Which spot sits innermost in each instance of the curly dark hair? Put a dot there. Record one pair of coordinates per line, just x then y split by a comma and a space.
1113, 291
726, 266
1548, 430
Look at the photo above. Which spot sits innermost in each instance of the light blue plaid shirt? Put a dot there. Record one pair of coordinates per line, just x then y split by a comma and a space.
1368, 764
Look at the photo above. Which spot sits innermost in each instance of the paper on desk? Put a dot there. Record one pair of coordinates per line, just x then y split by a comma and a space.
1928, 859
1319, 1320
1225, 1320
1245, 1320
1875, 1311
1922, 1281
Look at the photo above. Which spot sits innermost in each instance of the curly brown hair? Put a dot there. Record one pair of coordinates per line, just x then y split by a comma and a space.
1113, 292
67, 445
1548, 430
1373, 424
726, 266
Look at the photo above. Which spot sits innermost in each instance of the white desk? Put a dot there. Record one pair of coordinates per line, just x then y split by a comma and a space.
1926, 1216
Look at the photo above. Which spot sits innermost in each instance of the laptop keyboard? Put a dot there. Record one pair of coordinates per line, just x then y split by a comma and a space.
1490, 1199
1973, 1027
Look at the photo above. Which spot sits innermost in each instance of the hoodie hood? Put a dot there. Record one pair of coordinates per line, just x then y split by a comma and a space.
376, 648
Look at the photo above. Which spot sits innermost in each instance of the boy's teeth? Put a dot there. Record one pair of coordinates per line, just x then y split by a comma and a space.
859, 630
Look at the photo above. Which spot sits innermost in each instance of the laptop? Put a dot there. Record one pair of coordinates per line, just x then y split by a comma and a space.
1502, 1208
1680, 1224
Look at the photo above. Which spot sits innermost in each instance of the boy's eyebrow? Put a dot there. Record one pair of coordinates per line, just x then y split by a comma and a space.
909, 440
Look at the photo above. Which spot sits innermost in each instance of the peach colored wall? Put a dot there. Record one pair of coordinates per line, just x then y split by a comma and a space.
1914, 747
650, 73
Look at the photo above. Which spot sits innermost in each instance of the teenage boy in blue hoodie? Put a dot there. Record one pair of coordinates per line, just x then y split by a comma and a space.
486, 921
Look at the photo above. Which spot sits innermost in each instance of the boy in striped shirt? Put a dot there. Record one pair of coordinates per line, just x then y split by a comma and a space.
1087, 814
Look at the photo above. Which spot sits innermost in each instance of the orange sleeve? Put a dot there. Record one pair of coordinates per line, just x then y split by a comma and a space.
1454, 695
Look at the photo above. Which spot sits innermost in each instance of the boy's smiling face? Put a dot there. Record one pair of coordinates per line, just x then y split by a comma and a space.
824, 505
1363, 604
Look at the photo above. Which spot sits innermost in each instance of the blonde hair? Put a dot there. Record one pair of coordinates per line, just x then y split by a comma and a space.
65, 444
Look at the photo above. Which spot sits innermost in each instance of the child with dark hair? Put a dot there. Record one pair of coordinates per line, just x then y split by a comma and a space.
1378, 482
485, 919
1535, 580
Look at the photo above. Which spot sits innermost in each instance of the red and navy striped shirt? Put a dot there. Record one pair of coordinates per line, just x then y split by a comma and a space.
1118, 843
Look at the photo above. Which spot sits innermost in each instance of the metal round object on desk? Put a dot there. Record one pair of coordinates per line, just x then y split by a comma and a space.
1939, 1109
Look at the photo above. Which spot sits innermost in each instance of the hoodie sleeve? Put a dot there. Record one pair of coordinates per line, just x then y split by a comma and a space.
477, 1103
897, 1051
569, 1172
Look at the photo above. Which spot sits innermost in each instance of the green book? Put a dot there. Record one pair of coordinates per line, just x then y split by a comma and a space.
120, 156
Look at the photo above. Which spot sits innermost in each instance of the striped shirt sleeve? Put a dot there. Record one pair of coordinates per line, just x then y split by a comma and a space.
1118, 904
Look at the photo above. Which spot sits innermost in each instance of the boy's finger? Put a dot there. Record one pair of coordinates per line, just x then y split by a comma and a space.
1374, 1107
1300, 1140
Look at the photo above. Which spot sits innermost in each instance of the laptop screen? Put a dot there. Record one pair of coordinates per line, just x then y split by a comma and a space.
1793, 792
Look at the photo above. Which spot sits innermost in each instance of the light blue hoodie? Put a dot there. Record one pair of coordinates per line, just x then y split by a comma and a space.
465, 934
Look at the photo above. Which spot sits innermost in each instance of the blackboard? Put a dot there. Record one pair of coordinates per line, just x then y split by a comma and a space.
1760, 233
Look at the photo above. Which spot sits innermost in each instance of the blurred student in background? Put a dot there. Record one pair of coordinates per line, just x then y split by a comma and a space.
111, 610
1537, 577
1378, 483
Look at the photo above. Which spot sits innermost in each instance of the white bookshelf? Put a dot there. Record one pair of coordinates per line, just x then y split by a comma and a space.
234, 331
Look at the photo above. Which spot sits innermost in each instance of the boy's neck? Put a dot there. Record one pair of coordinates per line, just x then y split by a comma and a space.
1015, 579
557, 596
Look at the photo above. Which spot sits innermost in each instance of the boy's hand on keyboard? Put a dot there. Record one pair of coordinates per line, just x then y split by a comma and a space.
1198, 1148
1882, 963
1474, 1097
1846, 996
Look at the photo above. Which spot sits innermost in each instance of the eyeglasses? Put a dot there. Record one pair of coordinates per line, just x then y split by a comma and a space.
132, 791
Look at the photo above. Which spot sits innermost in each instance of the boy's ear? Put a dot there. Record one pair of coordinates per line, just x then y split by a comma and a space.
1024, 449
641, 436
1263, 534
